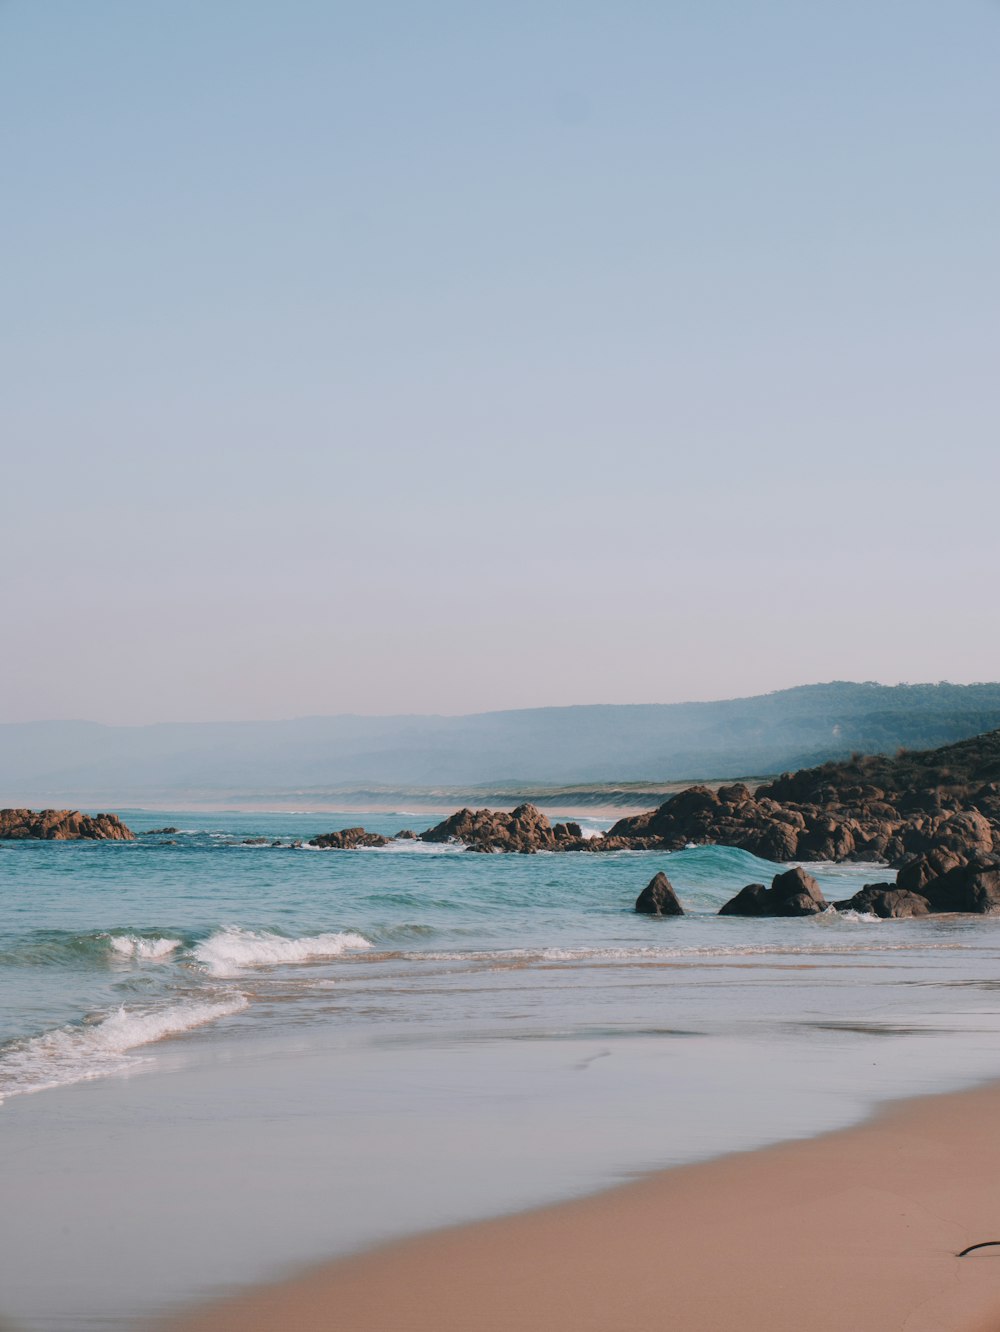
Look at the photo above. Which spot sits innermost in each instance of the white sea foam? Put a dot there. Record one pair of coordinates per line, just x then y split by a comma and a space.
588, 834
503, 957
95, 1049
132, 945
231, 951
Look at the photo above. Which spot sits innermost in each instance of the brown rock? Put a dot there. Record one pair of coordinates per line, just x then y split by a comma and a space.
63, 825
794, 893
887, 901
524, 829
973, 888
348, 839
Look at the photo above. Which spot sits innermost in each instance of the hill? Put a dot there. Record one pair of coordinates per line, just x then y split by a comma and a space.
87, 763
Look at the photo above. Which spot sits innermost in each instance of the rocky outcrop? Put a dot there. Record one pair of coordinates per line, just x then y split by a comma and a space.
524, 829
824, 821
348, 839
63, 825
658, 898
794, 893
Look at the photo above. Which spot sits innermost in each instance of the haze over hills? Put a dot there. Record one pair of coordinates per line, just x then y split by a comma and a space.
84, 762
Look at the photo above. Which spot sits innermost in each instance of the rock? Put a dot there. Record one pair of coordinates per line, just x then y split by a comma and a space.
158, 832
886, 900
405, 835
524, 829
772, 841
749, 901
974, 887
63, 825
794, 893
564, 831
254, 841
347, 839
658, 898
915, 873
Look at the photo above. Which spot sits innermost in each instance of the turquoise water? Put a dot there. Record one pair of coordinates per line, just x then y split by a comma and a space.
433, 1034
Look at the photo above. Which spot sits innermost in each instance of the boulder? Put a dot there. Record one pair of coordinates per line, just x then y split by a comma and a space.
917, 871
973, 887
770, 841
886, 900
567, 832
752, 900
658, 898
405, 835
794, 893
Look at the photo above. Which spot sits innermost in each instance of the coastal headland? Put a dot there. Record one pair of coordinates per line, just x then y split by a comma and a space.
859, 1229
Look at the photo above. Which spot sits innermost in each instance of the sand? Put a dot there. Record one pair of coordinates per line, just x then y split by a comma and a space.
856, 1231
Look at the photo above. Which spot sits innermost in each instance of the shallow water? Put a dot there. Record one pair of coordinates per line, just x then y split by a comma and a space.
220, 1061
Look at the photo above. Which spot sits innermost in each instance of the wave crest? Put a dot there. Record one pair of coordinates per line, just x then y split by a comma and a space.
231, 951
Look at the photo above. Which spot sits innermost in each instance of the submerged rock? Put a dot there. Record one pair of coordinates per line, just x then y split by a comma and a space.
794, 893
658, 898
63, 825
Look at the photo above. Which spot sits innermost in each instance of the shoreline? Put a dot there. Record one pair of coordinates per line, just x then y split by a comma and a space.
854, 1229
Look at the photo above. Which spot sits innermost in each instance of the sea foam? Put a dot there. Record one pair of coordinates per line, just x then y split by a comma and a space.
96, 1048
231, 951
134, 945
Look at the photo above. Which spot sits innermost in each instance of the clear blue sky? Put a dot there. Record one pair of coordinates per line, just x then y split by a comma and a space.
441, 357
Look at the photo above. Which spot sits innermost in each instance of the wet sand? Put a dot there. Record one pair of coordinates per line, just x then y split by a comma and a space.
854, 1231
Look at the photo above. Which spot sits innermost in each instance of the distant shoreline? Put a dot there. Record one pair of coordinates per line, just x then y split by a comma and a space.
598, 800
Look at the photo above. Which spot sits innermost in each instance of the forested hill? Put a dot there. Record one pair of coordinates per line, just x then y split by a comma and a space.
959, 768
77, 762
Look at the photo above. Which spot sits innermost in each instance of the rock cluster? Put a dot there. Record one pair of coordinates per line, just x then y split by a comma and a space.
63, 825
524, 829
347, 839
794, 893
856, 823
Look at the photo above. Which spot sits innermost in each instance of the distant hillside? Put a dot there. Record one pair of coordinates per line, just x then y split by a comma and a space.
84, 763
960, 768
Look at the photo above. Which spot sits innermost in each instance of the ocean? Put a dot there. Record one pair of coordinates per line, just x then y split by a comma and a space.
222, 1059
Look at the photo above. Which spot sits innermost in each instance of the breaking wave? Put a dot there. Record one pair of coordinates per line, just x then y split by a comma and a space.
93, 1049
231, 951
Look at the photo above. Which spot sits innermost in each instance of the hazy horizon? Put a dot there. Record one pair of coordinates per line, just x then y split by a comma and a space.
540, 707
381, 361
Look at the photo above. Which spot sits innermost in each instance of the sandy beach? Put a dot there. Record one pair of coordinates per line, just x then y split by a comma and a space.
855, 1231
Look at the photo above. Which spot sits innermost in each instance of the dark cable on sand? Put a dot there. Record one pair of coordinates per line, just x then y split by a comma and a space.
986, 1244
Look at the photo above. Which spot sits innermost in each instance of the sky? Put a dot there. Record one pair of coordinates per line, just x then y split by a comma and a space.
449, 357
